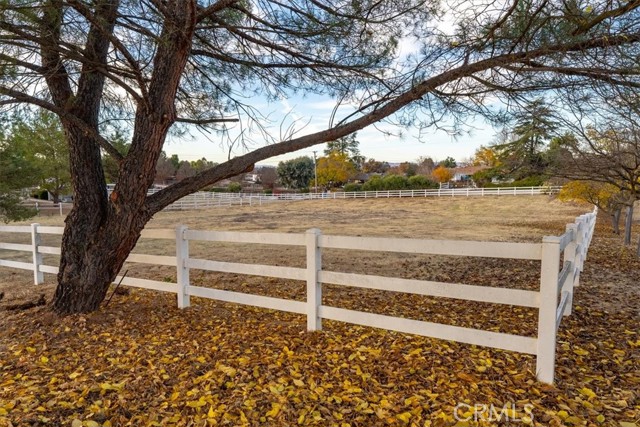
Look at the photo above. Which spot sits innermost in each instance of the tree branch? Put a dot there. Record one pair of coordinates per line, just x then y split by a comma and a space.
163, 198
205, 121
213, 9
55, 72
625, 8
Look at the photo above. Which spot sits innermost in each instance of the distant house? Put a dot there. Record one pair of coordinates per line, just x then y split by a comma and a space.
361, 178
465, 174
251, 177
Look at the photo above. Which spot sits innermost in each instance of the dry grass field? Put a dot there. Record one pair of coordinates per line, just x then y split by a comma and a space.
141, 361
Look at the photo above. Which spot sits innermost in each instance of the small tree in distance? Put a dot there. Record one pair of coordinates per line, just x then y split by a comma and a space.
296, 173
522, 154
605, 196
375, 166
334, 170
442, 174
185, 170
268, 177
449, 162
347, 146
42, 142
16, 173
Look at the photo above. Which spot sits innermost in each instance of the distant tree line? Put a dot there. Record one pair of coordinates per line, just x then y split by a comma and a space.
343, 166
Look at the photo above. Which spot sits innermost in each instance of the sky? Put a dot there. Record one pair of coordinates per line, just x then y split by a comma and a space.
312, 114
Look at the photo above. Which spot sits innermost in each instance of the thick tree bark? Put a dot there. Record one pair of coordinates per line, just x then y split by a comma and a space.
94, 248
97, 238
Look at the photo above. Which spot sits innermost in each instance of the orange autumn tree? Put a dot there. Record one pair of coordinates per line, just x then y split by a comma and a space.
442, 174
606, 197
334, 169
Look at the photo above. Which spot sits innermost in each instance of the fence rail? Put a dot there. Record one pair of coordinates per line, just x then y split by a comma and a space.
204, 199
207, 199
553, 300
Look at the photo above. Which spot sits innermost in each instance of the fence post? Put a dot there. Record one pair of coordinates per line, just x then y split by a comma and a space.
182, 255
581, 227
38, 276
60, 204
546, 352
570, 256
314, 288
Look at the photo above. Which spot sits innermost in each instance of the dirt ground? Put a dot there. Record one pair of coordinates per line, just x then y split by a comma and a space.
597, 345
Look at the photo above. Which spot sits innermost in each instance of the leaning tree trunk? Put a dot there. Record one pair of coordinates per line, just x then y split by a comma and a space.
93, 254
98, 235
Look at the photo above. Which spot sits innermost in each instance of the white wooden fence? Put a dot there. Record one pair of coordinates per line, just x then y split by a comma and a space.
553, 300
205, 199
208, 199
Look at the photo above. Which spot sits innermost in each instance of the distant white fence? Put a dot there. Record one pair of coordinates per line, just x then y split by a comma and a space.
209, 199
205, 199
553, 300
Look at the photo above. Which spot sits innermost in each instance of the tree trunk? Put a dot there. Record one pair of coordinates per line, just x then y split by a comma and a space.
98, 235
615, 220
627, 225
93, 254
100, 231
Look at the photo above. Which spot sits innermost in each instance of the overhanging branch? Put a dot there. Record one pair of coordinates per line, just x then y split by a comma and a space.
205, 121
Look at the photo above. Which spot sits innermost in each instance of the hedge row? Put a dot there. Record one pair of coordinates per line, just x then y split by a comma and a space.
393, 182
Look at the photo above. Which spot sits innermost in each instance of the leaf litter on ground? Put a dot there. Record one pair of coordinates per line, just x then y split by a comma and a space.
143, 362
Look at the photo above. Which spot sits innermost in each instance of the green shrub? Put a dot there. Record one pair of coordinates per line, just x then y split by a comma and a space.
352, 187
234, 187
395, 182
530, 181
374, 183
419, 182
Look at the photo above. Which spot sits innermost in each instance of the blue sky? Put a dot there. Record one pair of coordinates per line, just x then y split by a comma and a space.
312, 114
